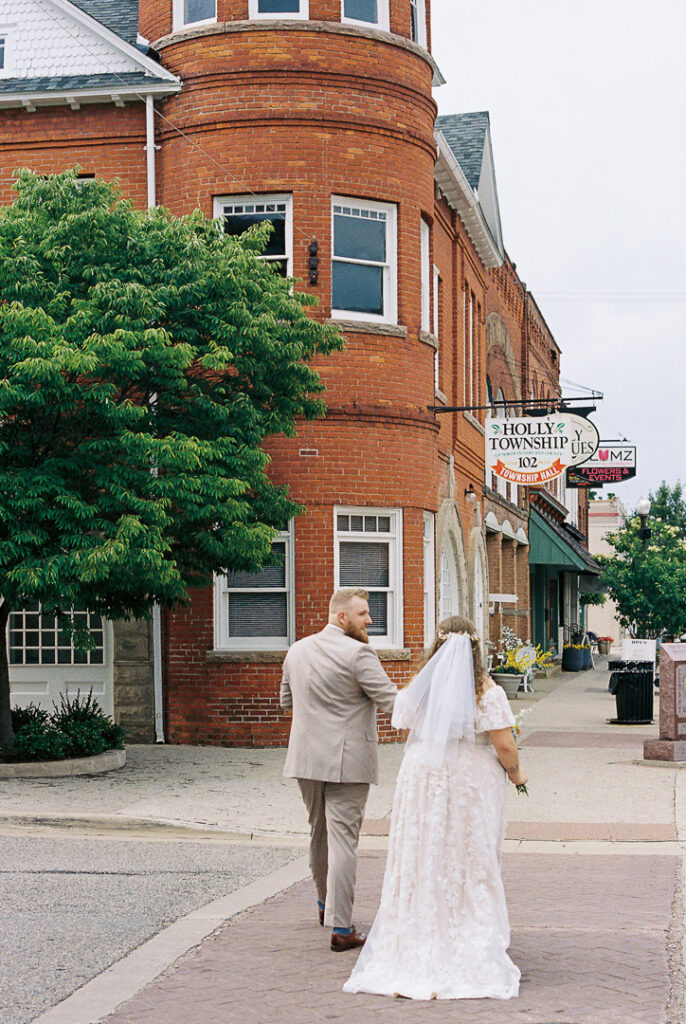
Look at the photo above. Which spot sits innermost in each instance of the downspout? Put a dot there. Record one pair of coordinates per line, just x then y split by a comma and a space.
150, 149
157, 672
158, 689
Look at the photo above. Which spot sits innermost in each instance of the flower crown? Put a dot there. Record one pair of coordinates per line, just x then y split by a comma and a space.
444, 636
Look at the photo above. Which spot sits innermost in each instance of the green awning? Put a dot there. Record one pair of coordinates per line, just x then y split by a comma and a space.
550, 546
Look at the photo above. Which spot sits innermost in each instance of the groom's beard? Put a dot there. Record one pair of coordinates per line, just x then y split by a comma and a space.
356, 633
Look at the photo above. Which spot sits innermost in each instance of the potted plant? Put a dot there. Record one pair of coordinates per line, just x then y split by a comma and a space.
509, 678
516, 661
604, 644
576, 657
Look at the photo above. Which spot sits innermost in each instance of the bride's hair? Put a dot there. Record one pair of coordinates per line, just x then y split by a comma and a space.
458, 624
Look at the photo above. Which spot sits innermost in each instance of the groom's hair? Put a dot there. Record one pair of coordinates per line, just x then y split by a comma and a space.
342, 598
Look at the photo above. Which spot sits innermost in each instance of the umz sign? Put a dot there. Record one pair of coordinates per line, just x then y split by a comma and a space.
533, 450
611, 464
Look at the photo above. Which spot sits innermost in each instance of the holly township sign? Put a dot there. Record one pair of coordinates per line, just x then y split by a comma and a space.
613, 462
533, 450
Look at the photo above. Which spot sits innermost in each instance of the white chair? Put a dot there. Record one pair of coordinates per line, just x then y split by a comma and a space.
530, 654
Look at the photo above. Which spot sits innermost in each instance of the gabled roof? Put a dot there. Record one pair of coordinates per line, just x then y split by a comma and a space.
80, 51
466, 134
469, 139
119, 16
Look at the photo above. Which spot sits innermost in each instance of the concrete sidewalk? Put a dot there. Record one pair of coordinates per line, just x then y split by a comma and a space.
592, 867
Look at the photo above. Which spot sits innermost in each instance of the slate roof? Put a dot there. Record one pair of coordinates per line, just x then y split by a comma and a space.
465, 134
120, 16
66, 83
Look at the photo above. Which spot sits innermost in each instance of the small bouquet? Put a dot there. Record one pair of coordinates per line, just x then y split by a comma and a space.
517, 732
517, 727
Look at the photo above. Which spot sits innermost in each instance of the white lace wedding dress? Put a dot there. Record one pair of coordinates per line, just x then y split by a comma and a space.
442, 929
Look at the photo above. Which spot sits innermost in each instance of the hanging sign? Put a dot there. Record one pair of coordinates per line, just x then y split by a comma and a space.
613, 462
532, 450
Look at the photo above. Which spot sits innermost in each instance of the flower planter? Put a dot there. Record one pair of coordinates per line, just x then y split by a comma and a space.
509, 682
576, 659
604, 646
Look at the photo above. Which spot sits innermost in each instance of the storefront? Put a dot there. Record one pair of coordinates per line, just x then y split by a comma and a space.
557, 563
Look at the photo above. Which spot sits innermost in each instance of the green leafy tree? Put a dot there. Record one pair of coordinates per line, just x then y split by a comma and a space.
144, 358
648, 583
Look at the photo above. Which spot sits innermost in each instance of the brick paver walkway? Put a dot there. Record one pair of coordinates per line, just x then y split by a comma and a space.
589, 934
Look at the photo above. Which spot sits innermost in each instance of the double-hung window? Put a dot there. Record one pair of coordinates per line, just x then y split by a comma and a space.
254, 610
241, 212
425, 244
418, 21
364, 260
365, 12
368, 553
194, 12
279, 9
3, 52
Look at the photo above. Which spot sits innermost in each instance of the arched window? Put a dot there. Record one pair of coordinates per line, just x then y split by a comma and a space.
449, 596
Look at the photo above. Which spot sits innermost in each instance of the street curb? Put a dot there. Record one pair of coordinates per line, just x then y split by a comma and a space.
126, 826
96, 765
100, 997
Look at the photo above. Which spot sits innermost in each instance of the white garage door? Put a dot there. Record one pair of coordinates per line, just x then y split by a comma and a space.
44, 662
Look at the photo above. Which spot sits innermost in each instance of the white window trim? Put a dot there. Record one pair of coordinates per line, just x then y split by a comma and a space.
425, 246
420, 6
390, 275
429, 543
179, 22
436, 325
394, 637
6, 33
303, 14
382, 22
220, 202
224, 642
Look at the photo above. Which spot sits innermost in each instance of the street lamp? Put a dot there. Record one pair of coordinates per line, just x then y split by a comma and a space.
643, 510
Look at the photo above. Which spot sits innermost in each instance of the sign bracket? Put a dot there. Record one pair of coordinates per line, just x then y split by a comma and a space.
537, 406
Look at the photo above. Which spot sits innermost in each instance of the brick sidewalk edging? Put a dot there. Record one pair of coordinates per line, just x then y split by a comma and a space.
589, 935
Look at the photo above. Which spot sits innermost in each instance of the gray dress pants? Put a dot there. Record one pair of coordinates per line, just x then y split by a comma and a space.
335, 810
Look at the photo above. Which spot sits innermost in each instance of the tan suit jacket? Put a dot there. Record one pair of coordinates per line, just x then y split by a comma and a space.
334, 684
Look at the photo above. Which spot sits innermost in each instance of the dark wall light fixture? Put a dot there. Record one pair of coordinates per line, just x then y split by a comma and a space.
314, 261
470, 493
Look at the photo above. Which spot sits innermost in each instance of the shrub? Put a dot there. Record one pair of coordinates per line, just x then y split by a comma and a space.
39, 741
76, 728
30, 715
85, 725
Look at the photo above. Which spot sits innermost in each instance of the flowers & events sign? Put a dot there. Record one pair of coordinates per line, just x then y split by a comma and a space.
614, 462
533, 450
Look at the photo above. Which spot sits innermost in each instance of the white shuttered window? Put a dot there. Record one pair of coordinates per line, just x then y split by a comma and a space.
368, 553
254, 611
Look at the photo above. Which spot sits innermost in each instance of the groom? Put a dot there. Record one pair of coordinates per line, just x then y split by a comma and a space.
333, 682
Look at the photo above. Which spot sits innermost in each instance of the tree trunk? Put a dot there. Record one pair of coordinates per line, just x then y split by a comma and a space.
6, 733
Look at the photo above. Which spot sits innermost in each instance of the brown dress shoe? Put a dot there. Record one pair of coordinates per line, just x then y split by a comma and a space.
351, 941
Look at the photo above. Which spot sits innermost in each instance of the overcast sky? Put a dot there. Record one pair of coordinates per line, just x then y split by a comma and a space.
588, 111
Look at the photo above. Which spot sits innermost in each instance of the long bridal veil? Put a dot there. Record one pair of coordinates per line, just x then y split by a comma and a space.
439, 704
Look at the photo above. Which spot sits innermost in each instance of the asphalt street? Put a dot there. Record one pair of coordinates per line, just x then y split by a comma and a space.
70, 907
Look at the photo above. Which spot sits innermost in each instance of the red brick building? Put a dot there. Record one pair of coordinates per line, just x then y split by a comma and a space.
317, 115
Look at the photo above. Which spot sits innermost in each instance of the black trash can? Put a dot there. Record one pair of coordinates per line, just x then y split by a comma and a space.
631, 682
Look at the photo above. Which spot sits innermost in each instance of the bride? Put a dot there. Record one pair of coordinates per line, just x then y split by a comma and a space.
442, 929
